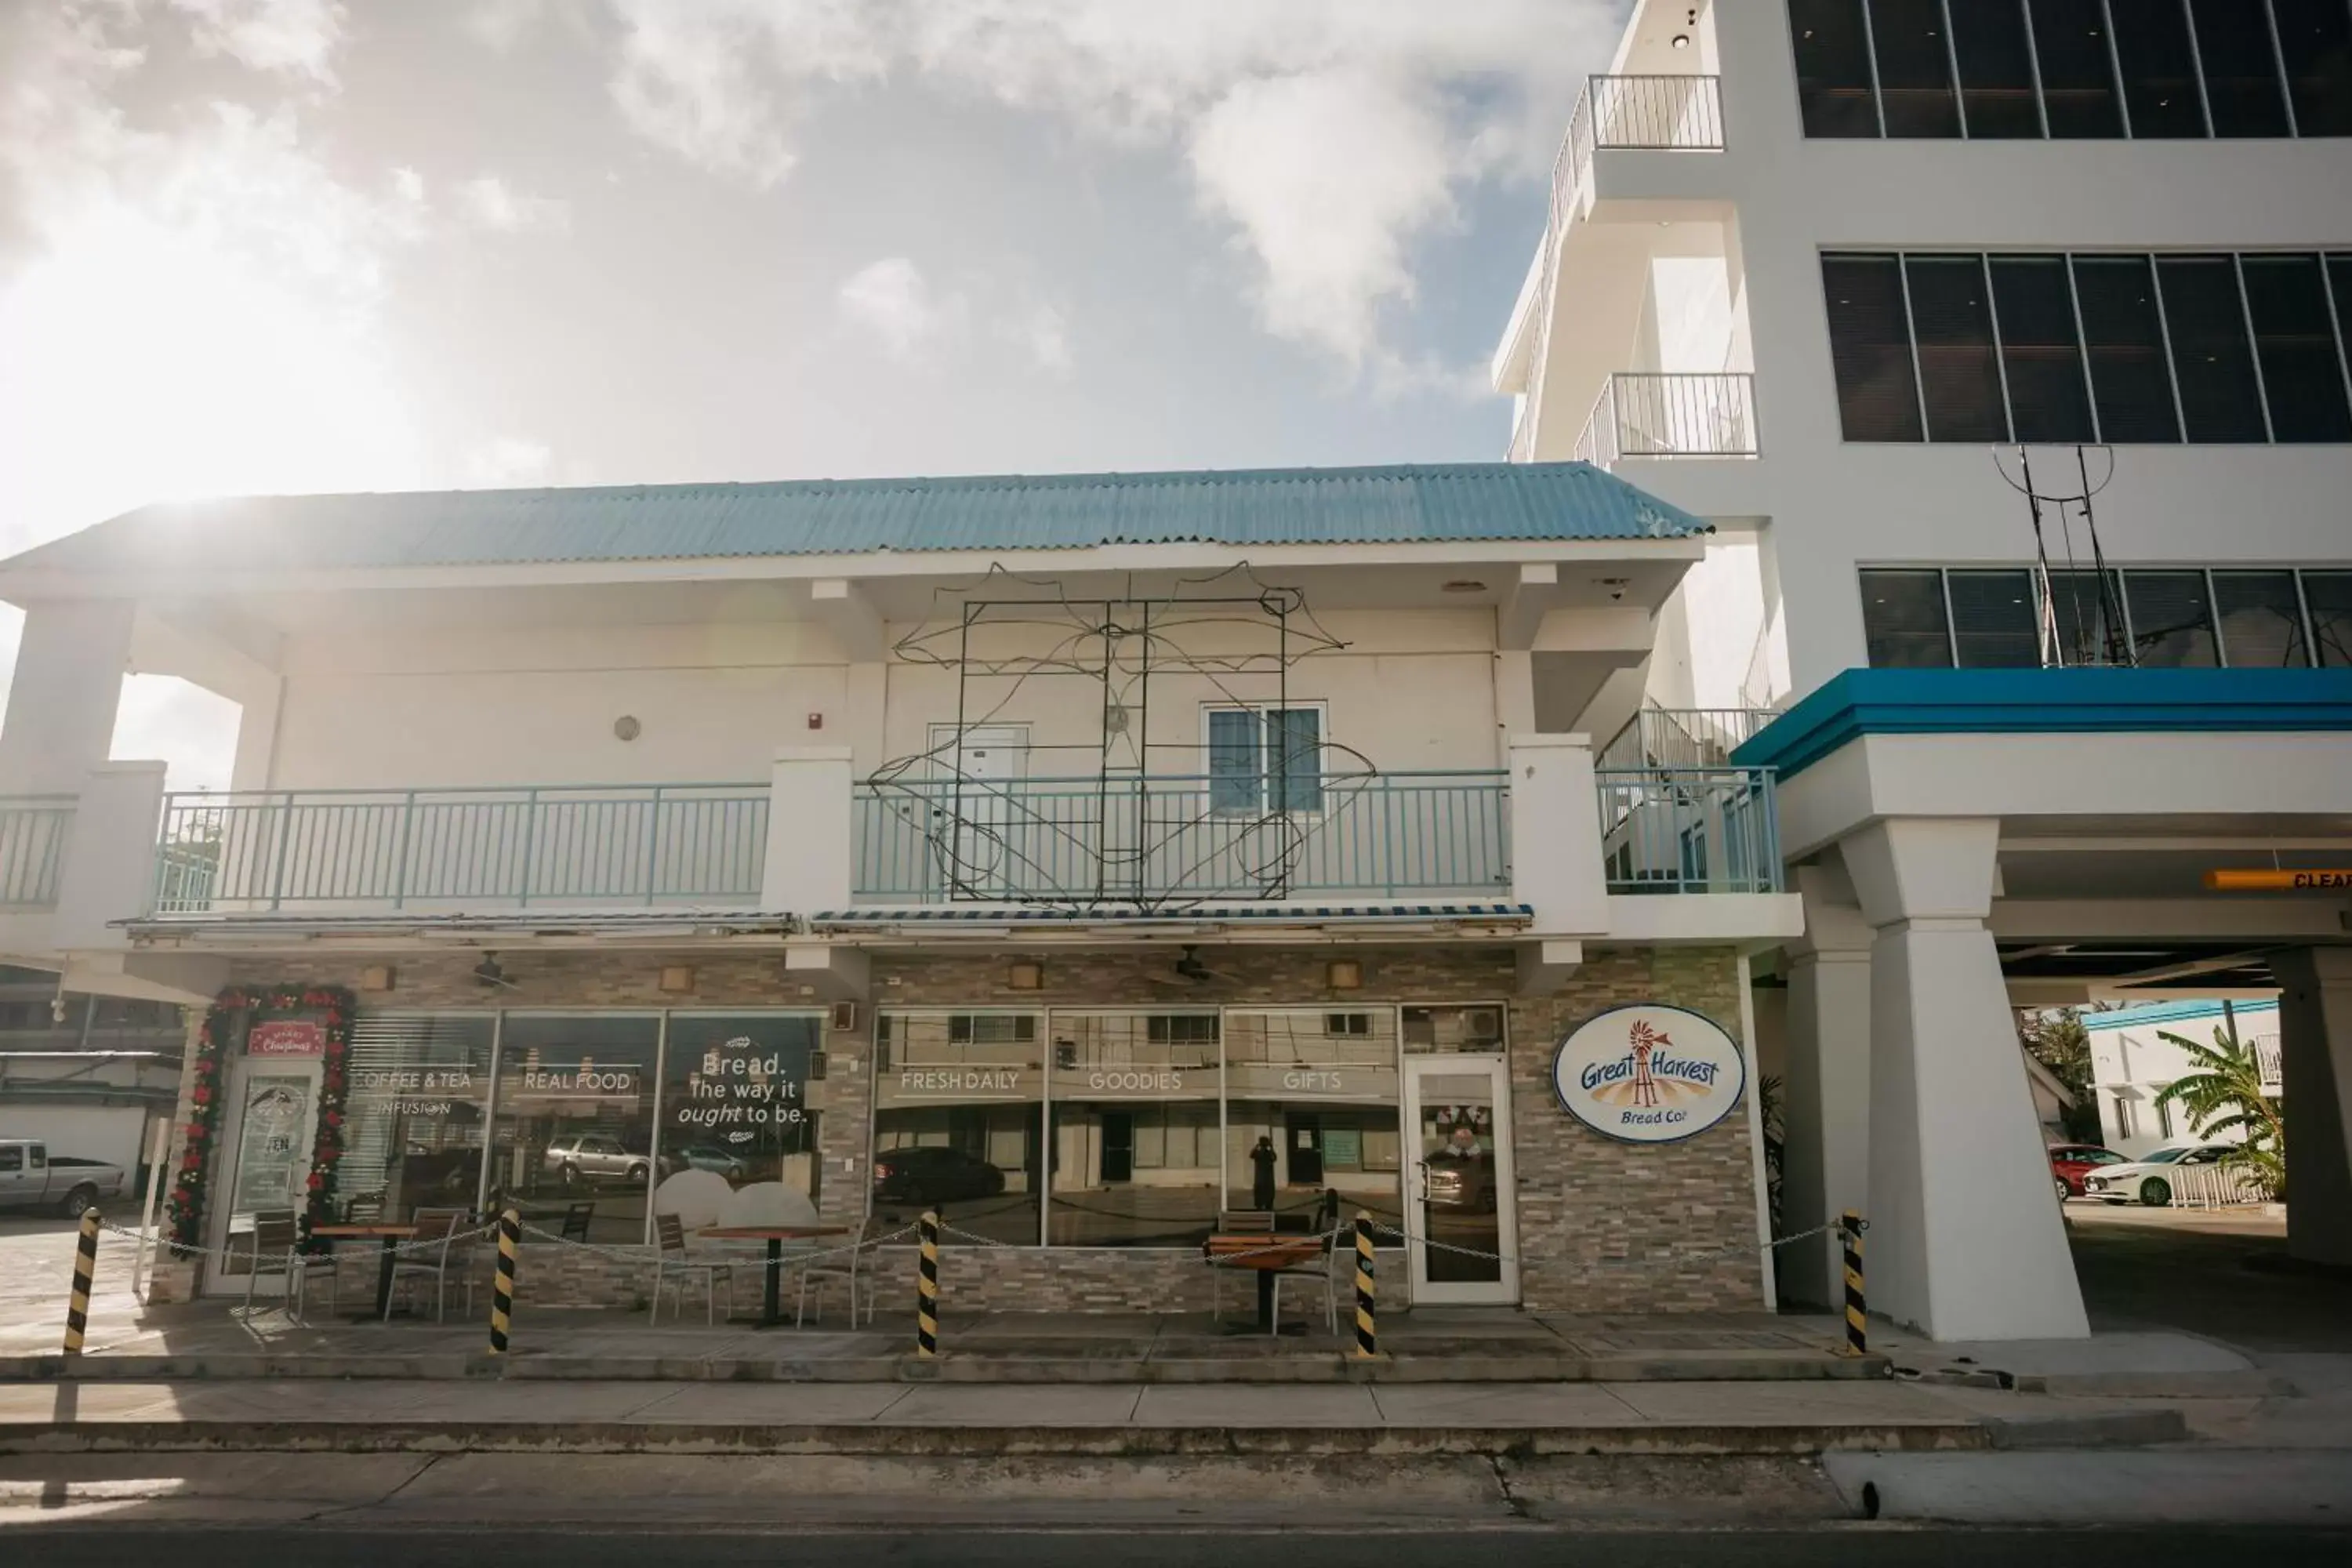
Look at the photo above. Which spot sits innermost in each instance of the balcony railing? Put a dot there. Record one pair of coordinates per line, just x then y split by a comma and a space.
1689, 830
33, 829
1082, 841
1649, 415
1683, 737
462, 850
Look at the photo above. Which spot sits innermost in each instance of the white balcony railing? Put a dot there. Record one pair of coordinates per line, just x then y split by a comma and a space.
1683, 737
1650, 415
33, 831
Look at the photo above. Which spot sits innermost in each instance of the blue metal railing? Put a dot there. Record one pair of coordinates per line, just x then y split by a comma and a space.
583, 843
1689, 830
33, 831
1184, 835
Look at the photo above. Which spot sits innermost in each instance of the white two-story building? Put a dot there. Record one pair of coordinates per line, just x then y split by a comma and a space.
2005, 343
1088, 856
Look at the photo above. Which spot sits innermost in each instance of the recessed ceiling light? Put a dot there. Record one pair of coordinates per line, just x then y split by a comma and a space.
1682, 40
1465, 586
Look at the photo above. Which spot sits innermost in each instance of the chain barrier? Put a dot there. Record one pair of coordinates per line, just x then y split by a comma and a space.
400, 1249
639, 1253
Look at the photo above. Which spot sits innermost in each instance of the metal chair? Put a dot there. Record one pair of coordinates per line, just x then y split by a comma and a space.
1235, 1222
670, 1254
424, 1259
576, 1216
824, 1273
276, 1234
1327, 1225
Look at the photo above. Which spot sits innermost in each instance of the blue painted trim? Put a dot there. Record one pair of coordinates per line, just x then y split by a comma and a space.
1860, 702
2170, 1013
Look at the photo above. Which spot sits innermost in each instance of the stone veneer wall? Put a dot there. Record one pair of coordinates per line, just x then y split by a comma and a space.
1603, 1226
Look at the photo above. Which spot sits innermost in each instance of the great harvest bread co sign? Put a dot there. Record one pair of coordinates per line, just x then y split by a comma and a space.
1648, 1074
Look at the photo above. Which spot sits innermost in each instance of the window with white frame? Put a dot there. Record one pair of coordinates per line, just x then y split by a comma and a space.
1264, 758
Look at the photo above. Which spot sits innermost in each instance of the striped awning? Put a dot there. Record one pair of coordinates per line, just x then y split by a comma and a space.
1130, 915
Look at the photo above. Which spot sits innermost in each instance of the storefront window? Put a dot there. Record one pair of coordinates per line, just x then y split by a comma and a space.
736, 1119
416, 1114
1136, 1129
959, 1100
1474, 1029
1311, 1105
572, 1139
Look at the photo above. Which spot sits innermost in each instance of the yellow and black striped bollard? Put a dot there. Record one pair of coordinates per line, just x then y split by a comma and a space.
927, 1289
85, 1264
1857, 1318
502, 1291
1367, 1338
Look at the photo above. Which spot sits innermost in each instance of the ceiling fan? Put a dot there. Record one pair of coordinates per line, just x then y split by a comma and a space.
490, 972
1188, 967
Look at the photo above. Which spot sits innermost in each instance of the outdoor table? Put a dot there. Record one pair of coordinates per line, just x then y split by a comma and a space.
1266, 1254
391, 1236
771, 1311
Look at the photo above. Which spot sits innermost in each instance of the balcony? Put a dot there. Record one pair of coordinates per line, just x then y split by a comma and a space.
1683, 737
1647, 415
1641, 113
1689, 830
1180, 838
33, 834
471, 850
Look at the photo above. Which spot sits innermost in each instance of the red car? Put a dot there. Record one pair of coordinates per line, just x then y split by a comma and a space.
2069, 1163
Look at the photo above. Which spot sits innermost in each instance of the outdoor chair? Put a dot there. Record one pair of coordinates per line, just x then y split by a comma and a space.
844, 1268
442, 1243
275, 1235
1235, 1222
671, 1257
575, 1226
1327, 1225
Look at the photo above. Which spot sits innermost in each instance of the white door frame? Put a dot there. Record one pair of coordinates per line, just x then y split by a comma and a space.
218, 1279
1503, 1290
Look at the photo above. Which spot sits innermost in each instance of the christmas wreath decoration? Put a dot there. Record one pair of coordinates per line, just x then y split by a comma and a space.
233, 1013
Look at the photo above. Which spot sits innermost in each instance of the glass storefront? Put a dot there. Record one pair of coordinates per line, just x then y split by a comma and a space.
735, 1114
1148, 1124
416, 1114
572, 1138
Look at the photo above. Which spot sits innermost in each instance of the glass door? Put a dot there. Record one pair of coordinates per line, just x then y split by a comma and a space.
1461, 1210
274, 1109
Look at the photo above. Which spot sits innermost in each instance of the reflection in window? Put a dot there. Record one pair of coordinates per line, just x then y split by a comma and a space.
958, 1120
2329, 597
1904, 621
2086, 611
736, 1118
2262, 620
572, 1139
1311, 1104
2172, 624
416, 1114
1993, 624
1475, 1029
1833, 90
1135, 1122
1870, 348
1915, 68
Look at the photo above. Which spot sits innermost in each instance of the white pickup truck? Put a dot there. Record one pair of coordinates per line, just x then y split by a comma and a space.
33, 1178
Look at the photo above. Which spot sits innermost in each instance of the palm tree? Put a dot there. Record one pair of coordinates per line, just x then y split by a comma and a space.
2225, 1095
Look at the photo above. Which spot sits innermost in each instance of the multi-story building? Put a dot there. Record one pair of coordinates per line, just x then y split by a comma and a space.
2005, 343
1088, 858
2134, 1058
88, 1075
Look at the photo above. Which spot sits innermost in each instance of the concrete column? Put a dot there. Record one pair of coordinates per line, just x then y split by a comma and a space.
809, 831
1555, 835
1965, 1241
1825, 1085
62, 702
109, 865
1514, 694
865, 692
2315, 1089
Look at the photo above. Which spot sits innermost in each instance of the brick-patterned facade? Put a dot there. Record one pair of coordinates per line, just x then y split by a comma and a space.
1603, 1225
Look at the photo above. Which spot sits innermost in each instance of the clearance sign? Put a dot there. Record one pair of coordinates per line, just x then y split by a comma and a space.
2279, 881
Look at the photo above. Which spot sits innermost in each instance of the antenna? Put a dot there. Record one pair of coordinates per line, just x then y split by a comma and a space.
2101, 636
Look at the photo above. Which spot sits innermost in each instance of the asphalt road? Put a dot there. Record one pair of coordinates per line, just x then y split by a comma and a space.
1834, 1547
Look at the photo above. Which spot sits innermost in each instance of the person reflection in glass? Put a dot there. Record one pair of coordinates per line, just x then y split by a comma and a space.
1262, 1161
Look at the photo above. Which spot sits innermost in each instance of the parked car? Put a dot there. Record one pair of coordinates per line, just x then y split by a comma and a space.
2145, 1180
706, 1157
933, 1174
2069, 1163
578, 1159
1458, 1178
33, 1178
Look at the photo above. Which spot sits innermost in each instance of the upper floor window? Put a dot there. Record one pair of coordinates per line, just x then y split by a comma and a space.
2008, 617
1266, 759
1988, 70
2114, 349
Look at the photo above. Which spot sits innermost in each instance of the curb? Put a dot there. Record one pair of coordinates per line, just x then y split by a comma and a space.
952, 1367
2088, 1430
968, 1442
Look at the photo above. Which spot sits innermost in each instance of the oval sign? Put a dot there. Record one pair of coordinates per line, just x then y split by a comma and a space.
1648, 1073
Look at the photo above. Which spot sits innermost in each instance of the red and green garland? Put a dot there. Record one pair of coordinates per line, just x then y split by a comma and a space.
234, 1013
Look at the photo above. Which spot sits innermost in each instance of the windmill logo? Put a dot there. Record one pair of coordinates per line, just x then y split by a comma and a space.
1649, 1073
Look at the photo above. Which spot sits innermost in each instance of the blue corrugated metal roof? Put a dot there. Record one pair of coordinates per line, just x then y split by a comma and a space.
1469, 501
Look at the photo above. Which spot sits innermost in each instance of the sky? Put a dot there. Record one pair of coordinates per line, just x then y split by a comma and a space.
257, 246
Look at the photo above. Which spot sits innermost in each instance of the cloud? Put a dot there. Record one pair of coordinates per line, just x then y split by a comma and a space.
297, 38
1329, 136
489, 202
1041, 333
508, 462
891, 299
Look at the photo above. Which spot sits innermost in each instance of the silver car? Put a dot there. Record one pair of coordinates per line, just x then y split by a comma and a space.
581, 1159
